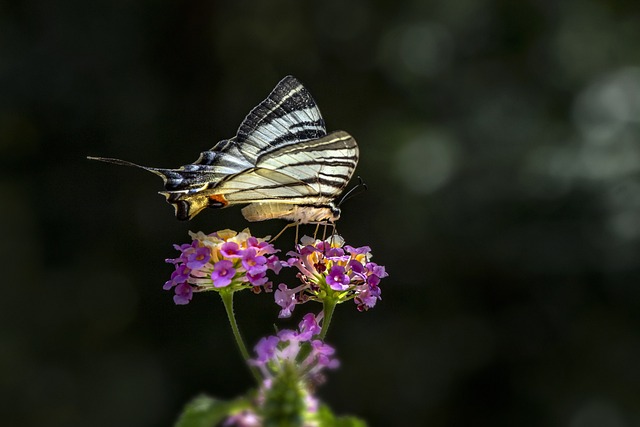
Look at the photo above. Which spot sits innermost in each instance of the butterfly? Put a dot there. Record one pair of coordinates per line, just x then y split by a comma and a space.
281, 164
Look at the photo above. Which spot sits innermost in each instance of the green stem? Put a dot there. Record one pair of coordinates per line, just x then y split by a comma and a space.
227, 300
328, 307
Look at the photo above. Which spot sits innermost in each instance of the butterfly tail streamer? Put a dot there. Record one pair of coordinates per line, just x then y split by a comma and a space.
183, 188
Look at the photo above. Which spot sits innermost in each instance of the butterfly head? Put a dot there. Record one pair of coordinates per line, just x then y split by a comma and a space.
335, 211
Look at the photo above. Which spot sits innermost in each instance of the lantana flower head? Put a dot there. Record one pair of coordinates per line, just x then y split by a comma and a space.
329, 269
299, 348
224, 259
291, 364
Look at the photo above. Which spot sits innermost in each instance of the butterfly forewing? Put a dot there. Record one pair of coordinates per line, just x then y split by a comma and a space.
288, 115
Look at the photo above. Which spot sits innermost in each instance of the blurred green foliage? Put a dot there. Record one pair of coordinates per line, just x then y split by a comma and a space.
500, 142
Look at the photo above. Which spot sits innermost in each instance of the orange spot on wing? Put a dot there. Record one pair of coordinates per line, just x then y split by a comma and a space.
219, 198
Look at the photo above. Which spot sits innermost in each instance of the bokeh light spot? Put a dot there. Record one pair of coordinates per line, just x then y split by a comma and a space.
608, 105
422, 49
427, 162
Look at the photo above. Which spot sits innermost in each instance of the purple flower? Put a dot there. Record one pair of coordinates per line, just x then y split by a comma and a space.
373, 280
336, 279
222, 273
323, 353
308, 327
376, 269
230, 250
266, 348
179, 275
274, 264
183, 295
365, 301
198, 258
357, 251
368, 295
224, 258
251, 261
331, 269
322, 246
261, 246
285, 298
306, 250
274, 352
334, 253
183, 247
287, 335
257, 279
356, 267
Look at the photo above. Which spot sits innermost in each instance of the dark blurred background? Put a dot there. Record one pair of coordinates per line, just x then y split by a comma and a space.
500, 142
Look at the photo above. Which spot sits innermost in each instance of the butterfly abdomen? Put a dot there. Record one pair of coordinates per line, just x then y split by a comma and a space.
303, 214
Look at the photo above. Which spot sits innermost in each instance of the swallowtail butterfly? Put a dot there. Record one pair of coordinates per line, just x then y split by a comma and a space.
281, 163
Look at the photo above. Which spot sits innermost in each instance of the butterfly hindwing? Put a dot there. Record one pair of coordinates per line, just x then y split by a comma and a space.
325, 164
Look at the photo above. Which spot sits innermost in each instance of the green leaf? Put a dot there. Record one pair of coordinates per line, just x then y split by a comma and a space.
205, 411
328, 419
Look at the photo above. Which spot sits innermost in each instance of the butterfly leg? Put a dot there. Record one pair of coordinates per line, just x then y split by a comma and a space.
291, 224
334, 232
324, 231
297, 236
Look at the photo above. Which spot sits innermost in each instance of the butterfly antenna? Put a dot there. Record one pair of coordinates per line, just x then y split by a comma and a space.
359, 188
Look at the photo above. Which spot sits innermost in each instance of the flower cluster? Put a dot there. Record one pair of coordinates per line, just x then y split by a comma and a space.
291, 363
224, 259
331, 270
286, 348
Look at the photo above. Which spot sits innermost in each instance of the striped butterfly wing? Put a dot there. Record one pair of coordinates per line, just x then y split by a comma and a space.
298, 181
280, 160
296, 163
289, 115
324, 165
